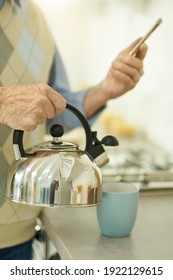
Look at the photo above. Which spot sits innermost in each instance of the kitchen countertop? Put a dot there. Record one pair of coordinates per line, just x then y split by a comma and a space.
76, 235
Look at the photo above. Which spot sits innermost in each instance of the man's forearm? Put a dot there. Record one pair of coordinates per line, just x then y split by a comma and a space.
94, 100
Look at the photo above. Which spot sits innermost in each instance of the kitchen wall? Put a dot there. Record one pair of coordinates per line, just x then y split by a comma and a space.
90, 33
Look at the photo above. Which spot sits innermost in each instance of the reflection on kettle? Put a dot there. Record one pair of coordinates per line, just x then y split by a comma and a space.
57, 173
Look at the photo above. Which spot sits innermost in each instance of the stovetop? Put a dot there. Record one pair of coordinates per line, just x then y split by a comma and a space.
142, 162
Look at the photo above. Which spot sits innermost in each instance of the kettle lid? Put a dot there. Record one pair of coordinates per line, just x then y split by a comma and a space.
56, 132
59, 146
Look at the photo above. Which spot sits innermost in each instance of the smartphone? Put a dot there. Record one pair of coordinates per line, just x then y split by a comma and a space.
136, 48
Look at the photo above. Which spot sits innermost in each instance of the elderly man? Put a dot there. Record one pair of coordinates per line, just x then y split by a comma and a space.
34, 88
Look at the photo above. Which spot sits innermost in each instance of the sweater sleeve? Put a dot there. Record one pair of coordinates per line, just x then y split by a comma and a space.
58, 80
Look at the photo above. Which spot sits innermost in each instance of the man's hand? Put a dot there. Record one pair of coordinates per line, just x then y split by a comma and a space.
25, 107
123, 75
124, 72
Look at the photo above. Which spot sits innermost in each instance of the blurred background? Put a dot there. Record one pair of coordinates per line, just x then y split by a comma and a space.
90, 33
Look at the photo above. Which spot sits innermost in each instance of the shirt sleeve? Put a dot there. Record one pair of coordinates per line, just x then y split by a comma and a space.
58, 80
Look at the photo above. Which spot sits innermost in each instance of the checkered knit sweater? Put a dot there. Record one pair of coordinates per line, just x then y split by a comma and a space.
26, 56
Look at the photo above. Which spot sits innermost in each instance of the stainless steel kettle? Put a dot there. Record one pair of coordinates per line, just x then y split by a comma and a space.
57, 173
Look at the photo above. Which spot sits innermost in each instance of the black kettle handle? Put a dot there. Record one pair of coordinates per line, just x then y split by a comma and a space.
85, 124
18, 135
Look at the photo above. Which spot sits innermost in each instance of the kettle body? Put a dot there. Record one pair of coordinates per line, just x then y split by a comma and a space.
57, 173
58, 178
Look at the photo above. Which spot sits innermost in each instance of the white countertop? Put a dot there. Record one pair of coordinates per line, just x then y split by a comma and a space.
76, 235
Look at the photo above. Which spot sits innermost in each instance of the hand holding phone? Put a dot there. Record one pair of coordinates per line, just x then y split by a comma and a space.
136, 48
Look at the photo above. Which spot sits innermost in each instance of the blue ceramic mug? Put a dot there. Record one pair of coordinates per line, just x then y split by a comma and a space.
117, 213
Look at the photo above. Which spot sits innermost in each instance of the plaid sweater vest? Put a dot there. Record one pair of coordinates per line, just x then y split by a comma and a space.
26, 56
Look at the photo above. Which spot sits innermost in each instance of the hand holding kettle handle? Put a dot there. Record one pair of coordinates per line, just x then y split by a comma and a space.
93, 145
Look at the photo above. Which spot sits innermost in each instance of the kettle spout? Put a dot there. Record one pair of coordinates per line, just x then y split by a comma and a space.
97, 150
102, 160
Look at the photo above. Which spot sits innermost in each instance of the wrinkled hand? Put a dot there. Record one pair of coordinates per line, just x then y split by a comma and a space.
25, 107
124, 72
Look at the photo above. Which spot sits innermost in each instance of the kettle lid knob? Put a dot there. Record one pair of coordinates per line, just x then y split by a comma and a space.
56, 130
